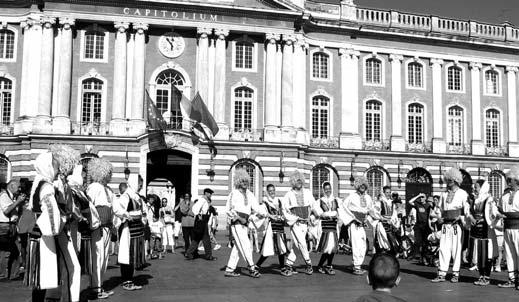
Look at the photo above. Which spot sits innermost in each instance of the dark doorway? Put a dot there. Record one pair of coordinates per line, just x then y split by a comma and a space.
418, 181
466, 184
172, 165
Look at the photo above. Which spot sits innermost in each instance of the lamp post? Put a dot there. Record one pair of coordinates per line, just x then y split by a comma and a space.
399, 179
281, 174
126, 171
441, 175
352, 163
210, 172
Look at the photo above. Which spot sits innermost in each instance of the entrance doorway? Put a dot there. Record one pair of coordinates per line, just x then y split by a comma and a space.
171, 165
418, 181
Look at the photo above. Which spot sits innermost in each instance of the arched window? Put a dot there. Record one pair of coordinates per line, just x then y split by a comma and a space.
91, 101
373, 120
244, 55
373, 70
376, 181
492, 85
415, 118
254, 175
495, 182
95, 45
320, 174
85, 159
455, 126
455, 78
320, 65
4, 170
415, 75
320, 116
6, 100
7, 44
170, 84
243, 104
492, 128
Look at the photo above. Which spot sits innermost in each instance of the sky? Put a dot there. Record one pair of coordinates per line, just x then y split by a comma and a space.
490, 11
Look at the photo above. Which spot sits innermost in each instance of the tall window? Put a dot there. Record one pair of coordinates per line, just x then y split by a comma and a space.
243, 98
4, 170
495, 181
455, 78
7, 44
94, 45
6, 100
492, 82
170, 84
320, 116
492, 128
373, 71
244, 55
85, 159
91, 101
455, 126
251, 170
320, 63
415, 75
415, 118
373, 120
320, 174
375, 181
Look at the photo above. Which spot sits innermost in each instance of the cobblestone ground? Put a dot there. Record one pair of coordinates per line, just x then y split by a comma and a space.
175, 279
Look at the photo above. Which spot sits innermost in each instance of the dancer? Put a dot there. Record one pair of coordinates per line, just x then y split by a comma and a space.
453, 206
131, 255
241, 203
385, 237
274, 239
357, 207
298, 204
327, 210
100, 172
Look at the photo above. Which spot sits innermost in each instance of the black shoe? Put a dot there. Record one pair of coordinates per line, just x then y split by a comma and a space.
210, 258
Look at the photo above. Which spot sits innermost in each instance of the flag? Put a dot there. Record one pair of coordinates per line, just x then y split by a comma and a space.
155, 120
185, 103
200, 114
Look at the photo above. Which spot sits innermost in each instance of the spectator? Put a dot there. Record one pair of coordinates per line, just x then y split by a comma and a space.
26, 221
201, 209
383, 275
167, 214
188, 220
421, 210
10, 200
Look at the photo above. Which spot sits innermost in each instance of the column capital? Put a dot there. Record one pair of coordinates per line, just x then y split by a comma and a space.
140, 27
301, 42
435, 61
67, 23
121, 26
272, 38
204, 32
513, 69
221, 33
349, 53
396, 58
48, 21
289, 39
475, 66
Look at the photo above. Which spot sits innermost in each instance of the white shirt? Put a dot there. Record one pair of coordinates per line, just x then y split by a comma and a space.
459, 201
99, 195
505, 205
239, 202
201, 206
6, 200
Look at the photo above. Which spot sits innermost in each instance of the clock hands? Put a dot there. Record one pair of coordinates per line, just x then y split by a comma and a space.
170, 41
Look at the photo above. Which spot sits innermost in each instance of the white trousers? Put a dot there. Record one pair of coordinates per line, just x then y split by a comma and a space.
381, 236
358, 244
450, 248
512, 252
242, 246
298, 232
167, 236
100, 252
69, 265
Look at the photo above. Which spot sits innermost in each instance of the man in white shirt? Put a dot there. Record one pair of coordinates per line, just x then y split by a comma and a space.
201, 232
8, 219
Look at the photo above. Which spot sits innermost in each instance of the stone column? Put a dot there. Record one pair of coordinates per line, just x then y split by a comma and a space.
478, 147
272, 107
513, 145
202, 63
138, 124
439, 145
350, 135
117, 124
397, 139
300, 96
61, 119
220, 104
287, 90
24, 124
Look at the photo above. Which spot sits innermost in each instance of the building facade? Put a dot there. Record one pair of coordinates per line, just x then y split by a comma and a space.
327, 87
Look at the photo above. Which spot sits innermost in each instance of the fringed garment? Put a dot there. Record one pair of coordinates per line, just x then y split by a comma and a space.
329, 242
275, 240
137, 255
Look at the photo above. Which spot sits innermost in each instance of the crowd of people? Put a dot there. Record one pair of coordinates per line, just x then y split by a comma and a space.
66, 222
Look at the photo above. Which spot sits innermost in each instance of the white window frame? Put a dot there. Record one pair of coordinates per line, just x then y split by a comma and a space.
246, 39
83, 44
382, 70
9, 175
501, 126
464, 121
13, 97
382, 118
424, 74
502, 180
385, 178
330, 178
499, 81
15, 49
322, 92
330, 65
424, 122
91, 74
246, 84
463, 79
257, 176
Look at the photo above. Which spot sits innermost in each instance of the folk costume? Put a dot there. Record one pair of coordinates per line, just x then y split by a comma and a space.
385, 231
327, 210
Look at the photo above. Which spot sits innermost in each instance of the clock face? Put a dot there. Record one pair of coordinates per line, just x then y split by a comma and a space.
171, 45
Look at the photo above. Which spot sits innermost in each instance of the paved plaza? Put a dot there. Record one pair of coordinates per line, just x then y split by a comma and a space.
175, 279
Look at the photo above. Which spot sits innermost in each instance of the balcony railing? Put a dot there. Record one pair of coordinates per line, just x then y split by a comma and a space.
246, 135
98, 129
495, 151
378, 145
325, 142
419, 147
6, 130
459, 149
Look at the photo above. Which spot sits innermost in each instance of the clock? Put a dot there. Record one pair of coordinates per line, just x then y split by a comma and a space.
171, 45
